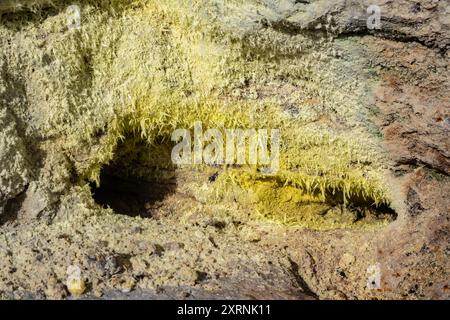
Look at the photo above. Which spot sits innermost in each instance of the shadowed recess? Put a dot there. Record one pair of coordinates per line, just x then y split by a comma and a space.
138, 179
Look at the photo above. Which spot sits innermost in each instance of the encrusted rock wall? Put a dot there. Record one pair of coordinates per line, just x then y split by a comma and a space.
400, 101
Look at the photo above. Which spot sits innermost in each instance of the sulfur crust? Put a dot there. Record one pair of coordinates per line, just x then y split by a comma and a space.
137, 70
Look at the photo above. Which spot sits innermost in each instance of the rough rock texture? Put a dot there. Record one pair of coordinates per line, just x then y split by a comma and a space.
426, 22
387, 87
414, 104
411, 253
15, 169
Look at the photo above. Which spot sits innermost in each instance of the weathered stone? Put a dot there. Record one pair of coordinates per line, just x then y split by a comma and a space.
320, 66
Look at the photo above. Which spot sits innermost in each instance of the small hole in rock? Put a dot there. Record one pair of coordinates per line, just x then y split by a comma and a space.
131, 196
137, 181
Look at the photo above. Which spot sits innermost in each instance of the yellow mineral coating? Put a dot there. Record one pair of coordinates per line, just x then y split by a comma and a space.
137, 70
76, 287
75, 283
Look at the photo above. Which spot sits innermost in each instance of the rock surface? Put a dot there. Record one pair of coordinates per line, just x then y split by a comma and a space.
189, 247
